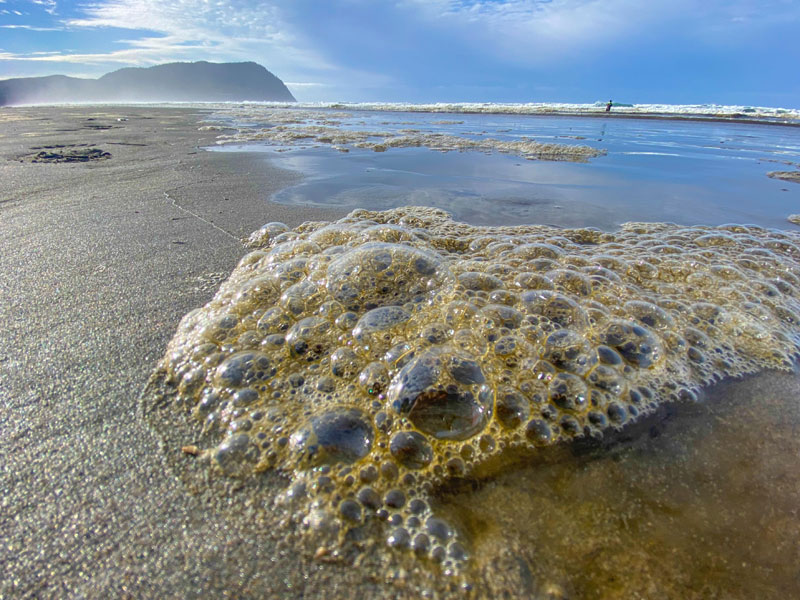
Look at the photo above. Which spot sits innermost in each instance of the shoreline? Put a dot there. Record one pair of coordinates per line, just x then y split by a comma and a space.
647, 171
620, 113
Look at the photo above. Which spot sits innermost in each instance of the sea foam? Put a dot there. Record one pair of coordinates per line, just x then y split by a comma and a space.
373, 359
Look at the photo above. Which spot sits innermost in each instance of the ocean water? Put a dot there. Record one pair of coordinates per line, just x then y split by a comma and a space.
698, 500
691, 111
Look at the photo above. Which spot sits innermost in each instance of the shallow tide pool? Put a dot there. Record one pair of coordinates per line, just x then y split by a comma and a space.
706, 173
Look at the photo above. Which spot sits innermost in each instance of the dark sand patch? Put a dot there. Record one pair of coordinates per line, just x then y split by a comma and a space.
61, 153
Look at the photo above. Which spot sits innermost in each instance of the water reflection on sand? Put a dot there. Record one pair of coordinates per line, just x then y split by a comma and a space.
691, 173
701, 501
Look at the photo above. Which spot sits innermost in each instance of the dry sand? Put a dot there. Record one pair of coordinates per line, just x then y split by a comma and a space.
100, 260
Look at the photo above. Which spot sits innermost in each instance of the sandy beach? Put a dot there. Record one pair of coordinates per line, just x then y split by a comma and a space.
115, 224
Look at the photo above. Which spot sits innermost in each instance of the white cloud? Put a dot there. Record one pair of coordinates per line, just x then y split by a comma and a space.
222, 30
306, 84
259, 18
50, 6
31, 28
532, 31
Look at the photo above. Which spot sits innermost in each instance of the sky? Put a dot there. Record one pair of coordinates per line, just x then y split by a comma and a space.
740, 52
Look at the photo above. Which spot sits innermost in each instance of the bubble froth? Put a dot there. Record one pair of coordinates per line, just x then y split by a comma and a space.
372, 358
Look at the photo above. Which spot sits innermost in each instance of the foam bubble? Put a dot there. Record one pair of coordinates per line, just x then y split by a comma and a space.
371, 359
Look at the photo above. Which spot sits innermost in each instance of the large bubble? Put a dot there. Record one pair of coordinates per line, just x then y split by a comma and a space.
443, 394
338, 436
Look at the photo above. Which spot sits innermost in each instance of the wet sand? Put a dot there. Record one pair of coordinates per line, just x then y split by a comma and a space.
100, 261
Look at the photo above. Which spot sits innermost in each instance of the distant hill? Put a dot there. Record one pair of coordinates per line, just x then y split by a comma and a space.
174, 82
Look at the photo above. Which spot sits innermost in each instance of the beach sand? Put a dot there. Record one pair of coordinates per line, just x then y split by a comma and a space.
100, 261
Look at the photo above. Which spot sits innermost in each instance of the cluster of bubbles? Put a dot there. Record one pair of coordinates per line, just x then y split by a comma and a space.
373, 358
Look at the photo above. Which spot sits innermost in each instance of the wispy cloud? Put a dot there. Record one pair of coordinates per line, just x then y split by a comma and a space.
534, 32
221, 30
121, 57
50, 6
31, 28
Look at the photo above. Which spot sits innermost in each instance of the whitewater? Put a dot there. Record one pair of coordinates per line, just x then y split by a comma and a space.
713, 111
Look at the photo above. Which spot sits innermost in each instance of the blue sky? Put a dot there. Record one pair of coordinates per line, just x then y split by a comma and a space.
639, 51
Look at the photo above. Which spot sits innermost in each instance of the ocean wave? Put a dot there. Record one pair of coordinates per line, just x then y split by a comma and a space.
722, 111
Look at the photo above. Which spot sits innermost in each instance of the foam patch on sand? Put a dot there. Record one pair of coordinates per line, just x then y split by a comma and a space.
372, 359
793, 176
380, 141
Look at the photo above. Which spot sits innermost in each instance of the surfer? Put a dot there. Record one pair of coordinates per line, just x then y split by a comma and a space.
609, 105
